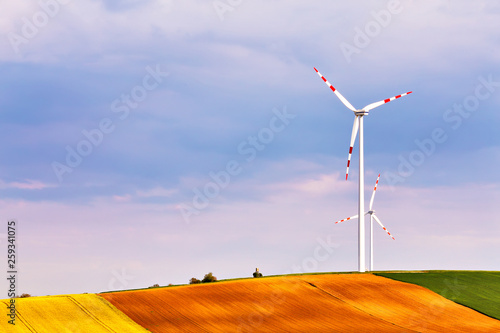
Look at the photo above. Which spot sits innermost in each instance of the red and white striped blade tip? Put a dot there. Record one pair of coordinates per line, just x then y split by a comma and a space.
325, 80
373, 194
377, 104
348, 163
396, 97
383, 227
354, 134
376, 183
389, 233
339, 95
347, 219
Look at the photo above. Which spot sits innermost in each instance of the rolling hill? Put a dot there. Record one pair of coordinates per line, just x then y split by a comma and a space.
292, 303
305, 303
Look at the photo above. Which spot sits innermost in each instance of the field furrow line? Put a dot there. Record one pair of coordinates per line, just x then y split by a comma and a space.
20, 317
357, 308
91, 315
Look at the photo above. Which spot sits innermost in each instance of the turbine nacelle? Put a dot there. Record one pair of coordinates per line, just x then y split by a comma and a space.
358, 113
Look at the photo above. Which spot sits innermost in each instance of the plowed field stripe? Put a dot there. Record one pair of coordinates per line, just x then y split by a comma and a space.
90, 314
22, 320
359, 309
25, 322
180, 314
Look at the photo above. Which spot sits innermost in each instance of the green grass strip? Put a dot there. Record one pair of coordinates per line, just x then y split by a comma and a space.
479, 290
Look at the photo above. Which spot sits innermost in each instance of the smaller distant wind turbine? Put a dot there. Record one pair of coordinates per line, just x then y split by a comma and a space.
371, 212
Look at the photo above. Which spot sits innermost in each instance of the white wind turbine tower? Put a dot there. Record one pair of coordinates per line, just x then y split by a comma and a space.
372, 217
358, 125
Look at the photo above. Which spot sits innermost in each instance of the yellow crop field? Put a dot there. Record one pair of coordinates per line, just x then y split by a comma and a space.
314, 303
68, 313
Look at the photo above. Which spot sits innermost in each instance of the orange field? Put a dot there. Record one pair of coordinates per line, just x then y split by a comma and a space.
314, 303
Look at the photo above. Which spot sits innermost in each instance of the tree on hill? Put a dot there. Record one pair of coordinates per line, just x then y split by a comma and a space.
194, 281
209, 278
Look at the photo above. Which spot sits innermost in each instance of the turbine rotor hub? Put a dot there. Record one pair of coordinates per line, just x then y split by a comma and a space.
361, 113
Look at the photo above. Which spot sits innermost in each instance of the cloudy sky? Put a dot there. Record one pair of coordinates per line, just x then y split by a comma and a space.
153, 141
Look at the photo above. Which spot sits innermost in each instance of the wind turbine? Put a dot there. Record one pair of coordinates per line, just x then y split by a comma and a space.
371, 212
358, 125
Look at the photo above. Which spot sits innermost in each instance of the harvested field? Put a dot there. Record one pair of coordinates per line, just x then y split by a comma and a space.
308, 303
68, 313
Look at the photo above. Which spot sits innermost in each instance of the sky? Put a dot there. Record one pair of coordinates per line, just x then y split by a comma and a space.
149, 142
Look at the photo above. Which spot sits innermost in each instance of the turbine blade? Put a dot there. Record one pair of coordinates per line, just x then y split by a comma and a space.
354, 133
342, 98
373, 194
376, 104
347, 219
376, 219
